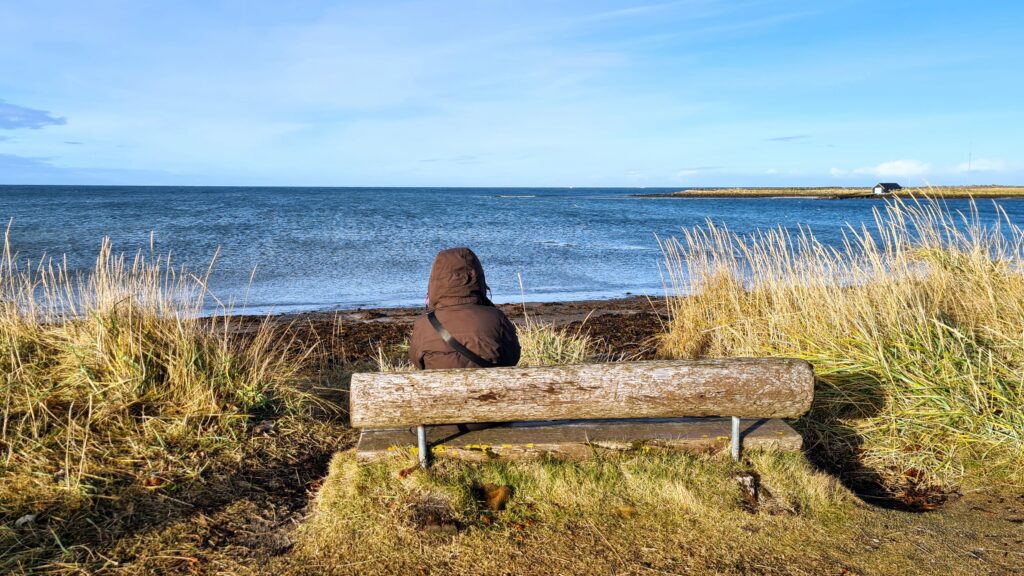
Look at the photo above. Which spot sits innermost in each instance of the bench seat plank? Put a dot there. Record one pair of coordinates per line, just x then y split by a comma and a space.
577, 439
744, 387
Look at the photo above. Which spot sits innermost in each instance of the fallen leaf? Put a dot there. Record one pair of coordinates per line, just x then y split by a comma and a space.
496, 497
404, 472
625, 511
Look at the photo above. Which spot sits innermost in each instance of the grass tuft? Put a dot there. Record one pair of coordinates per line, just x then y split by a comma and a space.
915, 328
543, 344
113, 385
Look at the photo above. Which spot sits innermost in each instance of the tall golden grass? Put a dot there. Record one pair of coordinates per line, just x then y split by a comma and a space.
114, 380
915, 329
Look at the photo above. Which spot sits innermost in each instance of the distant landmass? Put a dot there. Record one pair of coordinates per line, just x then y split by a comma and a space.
986, 191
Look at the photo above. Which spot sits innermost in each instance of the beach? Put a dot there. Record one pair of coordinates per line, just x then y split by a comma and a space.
626, 328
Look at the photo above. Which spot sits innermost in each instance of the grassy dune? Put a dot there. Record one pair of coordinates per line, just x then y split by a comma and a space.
113, 391
916, 333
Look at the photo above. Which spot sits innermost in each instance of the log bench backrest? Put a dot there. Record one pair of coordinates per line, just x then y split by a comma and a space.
740, 387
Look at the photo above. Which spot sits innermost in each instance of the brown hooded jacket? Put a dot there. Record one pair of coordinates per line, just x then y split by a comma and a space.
457, 293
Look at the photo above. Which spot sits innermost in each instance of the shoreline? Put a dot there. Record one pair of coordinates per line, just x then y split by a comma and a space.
624, 327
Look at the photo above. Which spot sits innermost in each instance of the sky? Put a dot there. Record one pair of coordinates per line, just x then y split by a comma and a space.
517, 93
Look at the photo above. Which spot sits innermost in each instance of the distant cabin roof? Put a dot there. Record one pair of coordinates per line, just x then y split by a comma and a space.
888, 185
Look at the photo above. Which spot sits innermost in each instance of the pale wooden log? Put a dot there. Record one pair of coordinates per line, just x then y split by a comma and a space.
746, 387
578, 439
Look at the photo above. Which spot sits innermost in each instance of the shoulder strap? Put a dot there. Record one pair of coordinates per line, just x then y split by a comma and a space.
455, 344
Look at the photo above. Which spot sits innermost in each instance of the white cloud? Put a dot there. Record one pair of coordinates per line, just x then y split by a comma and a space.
905, 168
982, 165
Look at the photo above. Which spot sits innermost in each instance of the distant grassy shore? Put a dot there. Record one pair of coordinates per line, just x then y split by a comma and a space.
832, 193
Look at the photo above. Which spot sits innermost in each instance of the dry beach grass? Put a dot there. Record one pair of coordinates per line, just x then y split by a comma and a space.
915, 330
113, 388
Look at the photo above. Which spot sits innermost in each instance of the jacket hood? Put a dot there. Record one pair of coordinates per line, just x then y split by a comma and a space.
457, 277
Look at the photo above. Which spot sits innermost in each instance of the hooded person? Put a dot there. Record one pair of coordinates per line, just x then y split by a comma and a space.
461, 316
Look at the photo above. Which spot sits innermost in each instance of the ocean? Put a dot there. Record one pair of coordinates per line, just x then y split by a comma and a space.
299, 249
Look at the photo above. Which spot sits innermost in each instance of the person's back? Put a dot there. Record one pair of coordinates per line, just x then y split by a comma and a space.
457, 295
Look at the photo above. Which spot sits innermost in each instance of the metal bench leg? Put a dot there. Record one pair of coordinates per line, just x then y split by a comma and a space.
421, 442
736, 438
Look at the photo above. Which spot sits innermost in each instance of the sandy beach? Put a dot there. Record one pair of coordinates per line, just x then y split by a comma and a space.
624, 327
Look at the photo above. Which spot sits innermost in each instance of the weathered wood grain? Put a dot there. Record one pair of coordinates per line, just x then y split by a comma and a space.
578, 440
745, 387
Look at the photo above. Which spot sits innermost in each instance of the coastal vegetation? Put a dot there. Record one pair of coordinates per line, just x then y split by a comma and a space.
114, 389
915, 328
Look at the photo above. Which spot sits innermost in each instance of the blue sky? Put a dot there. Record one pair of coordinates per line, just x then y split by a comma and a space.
482, 93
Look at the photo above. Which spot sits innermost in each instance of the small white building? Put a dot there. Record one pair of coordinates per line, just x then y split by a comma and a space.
886, 187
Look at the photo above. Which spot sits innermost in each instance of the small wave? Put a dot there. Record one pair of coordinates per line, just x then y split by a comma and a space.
557, 244
516, 196
639, 248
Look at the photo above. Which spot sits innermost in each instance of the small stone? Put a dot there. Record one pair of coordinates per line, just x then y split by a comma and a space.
445, 528
26, 519
264, 427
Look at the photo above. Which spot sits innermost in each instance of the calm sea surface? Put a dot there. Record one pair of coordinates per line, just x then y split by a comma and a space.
322, 248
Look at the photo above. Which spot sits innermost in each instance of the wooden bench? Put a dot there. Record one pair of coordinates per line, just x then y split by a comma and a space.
573, 410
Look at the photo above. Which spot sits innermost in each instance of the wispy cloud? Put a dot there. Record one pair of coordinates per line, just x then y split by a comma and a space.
631, 11
983, 165
786, 138
465, 159
17, 169
694, 170
894, 168
13, 117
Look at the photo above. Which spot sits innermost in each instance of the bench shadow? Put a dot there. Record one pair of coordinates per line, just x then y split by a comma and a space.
834, 447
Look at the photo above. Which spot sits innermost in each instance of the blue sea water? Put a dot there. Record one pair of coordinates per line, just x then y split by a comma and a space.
324, 248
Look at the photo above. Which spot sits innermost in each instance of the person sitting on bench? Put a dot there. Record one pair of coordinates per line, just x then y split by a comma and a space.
462, 328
